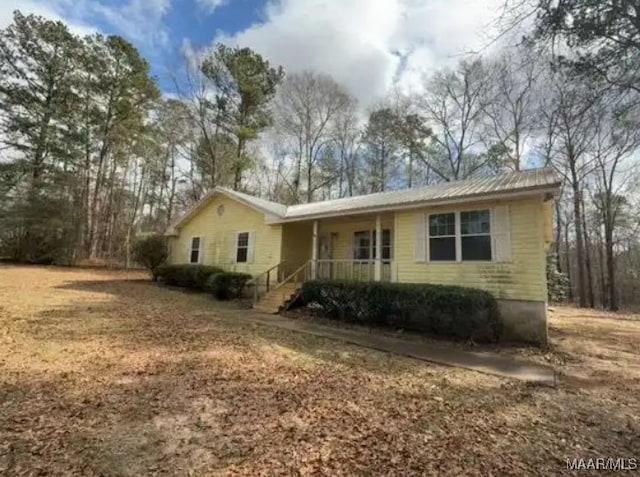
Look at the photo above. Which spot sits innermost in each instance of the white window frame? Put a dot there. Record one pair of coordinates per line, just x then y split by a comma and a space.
199, 249
238, 234
476, 235
356, 246
458, 236
455, 236
372, 247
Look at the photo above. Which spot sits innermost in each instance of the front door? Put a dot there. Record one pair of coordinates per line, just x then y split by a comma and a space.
325, 255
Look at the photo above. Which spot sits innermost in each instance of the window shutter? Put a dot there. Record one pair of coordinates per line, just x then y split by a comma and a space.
233, 247
501, 234
201, 250
251, 247
420, 243
188, 250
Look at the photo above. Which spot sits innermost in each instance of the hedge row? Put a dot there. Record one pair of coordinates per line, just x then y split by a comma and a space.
451, 311
224, 285
187, 276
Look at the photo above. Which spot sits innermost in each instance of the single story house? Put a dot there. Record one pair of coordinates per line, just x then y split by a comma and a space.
491, 233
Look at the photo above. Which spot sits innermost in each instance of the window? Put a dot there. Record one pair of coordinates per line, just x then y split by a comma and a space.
463, 236
364, 245
475, 232
242, 250
442, 237
386, 244
194, 255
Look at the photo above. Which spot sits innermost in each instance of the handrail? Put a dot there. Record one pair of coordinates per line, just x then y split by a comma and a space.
293, 275
256, 278
256, 281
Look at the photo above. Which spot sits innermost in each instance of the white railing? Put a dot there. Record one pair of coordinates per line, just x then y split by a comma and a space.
354, 270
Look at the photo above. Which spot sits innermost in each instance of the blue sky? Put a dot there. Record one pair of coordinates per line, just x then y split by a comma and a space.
366, 45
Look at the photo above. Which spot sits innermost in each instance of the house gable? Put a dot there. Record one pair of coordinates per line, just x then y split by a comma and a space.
217, 223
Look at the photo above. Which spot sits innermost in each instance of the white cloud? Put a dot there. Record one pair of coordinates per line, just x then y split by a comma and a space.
137, 20
211, 5
368, 44
49, 10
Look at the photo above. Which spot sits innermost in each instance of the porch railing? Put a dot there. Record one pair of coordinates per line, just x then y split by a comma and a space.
355, 270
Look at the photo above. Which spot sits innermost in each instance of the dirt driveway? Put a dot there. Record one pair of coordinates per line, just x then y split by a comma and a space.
103, 373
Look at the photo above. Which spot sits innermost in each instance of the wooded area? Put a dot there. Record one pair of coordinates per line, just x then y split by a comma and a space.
93, 154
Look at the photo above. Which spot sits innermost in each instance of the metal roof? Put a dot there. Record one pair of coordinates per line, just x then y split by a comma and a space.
533, 180
273, 208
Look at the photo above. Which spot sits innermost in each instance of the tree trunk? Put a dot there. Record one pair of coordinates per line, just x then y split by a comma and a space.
587, 262
577, 218
237, 177
611, 268
558, 237
568, 263
603, 279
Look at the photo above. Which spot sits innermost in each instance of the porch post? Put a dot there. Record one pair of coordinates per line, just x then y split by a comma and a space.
314, 251
378, 264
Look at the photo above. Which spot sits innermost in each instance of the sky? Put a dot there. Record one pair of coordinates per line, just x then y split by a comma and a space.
366, 45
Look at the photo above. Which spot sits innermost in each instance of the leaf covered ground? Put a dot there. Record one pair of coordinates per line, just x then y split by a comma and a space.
104, 373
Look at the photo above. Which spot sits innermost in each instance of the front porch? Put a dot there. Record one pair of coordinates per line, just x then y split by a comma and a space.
356, 248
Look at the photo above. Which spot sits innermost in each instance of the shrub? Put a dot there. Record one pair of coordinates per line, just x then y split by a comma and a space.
151, 252
227, 285
557, 281
452, 311
187, 276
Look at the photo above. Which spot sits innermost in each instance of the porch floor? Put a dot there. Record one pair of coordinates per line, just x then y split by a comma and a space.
484, 362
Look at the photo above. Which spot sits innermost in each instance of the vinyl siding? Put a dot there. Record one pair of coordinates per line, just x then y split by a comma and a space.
217, 234
548, 207
523, 278
297, 239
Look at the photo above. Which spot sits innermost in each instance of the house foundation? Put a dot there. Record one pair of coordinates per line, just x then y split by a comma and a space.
524, 321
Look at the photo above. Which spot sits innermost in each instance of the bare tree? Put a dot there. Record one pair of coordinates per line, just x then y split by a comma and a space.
346, 135
453, 109
305, 108
617, 137
206, 102
572, 114
510, 103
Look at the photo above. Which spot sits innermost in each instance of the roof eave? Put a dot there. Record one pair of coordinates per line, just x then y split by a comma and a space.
198, 206
525, 192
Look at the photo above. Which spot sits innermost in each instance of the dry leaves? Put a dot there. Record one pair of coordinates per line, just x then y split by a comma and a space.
103, 373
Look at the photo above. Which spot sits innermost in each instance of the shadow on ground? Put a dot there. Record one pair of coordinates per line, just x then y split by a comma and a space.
129, 378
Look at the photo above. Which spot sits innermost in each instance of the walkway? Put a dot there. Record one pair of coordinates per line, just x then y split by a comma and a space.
484, 362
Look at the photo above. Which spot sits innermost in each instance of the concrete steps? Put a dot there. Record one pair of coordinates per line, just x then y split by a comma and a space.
274, 300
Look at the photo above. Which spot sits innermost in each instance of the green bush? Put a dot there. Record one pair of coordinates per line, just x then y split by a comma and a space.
451, 311
151, 252
227, 285
187, 276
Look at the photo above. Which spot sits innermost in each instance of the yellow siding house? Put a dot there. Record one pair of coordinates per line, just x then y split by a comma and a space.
489, 233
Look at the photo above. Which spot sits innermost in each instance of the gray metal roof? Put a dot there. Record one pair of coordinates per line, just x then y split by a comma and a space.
529, 180
511, 182
273, 208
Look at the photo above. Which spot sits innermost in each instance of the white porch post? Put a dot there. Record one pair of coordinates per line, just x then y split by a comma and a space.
314, 251
378, 264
